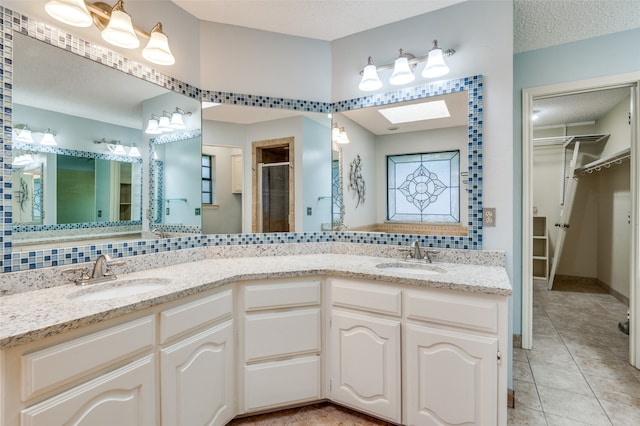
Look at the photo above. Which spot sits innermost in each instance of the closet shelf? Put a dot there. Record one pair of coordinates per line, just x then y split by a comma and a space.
606, 162
565, 140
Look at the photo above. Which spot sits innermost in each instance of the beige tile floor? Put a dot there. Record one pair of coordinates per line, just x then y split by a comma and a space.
578, 371
576, 374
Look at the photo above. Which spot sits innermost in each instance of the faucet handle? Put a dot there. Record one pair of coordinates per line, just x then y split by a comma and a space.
84, 274
109, 264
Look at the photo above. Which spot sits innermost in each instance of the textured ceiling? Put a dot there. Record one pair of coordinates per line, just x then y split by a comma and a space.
543, 23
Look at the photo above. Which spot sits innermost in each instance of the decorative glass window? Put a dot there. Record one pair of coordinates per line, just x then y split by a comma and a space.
208, 179
424, 187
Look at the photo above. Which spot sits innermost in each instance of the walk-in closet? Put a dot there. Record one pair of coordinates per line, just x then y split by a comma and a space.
582, 192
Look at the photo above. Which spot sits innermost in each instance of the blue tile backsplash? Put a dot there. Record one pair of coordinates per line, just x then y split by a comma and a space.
15, 261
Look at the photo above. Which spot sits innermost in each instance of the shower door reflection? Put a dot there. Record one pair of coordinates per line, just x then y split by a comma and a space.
273, 187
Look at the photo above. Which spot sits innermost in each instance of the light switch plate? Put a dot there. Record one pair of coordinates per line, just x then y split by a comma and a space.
489, 217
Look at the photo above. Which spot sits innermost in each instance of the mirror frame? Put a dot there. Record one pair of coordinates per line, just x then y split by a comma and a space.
17, 22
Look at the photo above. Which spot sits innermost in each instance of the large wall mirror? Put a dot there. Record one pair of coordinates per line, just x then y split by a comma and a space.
270, 169
79, 142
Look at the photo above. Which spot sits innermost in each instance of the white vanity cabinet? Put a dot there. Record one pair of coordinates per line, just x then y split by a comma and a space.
452, 361
197, 362
364, 338
104, 377
418, 355
279, 343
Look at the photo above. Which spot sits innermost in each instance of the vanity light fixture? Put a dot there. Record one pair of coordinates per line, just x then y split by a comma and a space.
117, 148
339, 135
22, 160
403, 68
48, 139
115, 25
177, 121
166, 122
134, 151
23, 133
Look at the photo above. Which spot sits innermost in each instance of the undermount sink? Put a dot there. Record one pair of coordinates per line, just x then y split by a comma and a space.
119, 288
411, 268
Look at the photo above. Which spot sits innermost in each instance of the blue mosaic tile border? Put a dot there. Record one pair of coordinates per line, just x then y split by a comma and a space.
71, 226
6, 115
265, 101
176, 137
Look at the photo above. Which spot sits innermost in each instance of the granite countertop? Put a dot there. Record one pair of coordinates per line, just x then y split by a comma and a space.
32, 315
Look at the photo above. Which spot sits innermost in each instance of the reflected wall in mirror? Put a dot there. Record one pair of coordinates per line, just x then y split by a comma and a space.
175, 183
234, 131
411, 187
62, 93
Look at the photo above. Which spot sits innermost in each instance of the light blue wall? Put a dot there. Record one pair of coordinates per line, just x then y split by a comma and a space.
597, 57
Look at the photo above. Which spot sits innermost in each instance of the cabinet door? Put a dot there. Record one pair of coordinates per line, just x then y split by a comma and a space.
125, 396
365, 363
452, 378
197, 377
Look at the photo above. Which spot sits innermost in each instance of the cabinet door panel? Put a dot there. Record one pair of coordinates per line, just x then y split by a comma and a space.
291, 381
451, 377
125, 396
197, 378
365, 363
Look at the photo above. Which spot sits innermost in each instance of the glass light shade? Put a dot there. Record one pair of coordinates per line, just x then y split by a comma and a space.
134, 151
119, 150
164, 125
152, 127
71, 12
176, 121
401, 72
342, 138
22, 160
48, 140
335, 132
24, 135
120, 31
436, 67
157, 50
370, 80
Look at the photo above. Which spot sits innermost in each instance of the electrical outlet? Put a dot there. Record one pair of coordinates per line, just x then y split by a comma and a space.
309, 211
167, 211
489, 217
197, 211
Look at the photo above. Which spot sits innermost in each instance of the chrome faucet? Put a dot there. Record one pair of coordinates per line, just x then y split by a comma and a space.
101, 271
417, 254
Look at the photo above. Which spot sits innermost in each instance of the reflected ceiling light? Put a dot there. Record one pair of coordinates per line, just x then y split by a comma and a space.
157, 50
416, 112
176, 119
71, 12
164, 124
23, 133
338, 134
370, 80
115, 25
134, 151
48, 139
119, 30
207, 104
402, 72
152, 126
403, 68
22, 160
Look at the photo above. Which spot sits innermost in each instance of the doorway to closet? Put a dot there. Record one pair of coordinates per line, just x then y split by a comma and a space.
580, 195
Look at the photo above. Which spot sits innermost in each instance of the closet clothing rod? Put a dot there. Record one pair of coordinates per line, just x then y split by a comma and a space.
596, 166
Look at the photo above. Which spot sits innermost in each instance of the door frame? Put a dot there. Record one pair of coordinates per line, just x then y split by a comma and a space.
528, 95
256, 157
